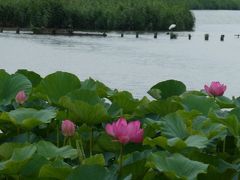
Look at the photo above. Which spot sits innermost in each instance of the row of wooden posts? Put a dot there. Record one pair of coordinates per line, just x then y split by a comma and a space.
174, 36
155, 35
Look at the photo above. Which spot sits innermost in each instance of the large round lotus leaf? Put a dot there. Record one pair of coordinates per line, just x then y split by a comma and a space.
10, 85
85, 95
49, 150
57, 170
83, 112
28, 117
176, 165
202, 104
125, 101
32, 76
174, 126
19, 158
56, 85
97, 86
91, 172
163, 107
166, 89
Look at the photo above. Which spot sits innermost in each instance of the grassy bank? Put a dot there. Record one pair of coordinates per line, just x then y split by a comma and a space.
95, 14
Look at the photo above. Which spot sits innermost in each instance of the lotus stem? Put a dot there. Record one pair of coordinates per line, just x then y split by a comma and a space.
224, 144
57, 134
64, 141
28, 136
91, 141
81, 154
121, 159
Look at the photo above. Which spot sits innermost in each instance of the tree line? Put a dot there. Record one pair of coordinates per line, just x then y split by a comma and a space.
96, 14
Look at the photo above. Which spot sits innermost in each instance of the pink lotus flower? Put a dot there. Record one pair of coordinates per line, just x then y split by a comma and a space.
21, 97
215, 89
68, 128
125, 132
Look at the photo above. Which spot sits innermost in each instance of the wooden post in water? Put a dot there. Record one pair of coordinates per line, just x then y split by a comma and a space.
222, 37
18, 30
206, 37
1, 30
53, 32
173, 36
155, 35
237, 35
137, 34
122, 34
189, 36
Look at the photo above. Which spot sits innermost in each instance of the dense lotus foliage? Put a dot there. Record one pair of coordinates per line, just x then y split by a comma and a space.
62, 127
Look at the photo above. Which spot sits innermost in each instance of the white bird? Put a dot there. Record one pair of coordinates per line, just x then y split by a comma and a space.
172, 26
1, 131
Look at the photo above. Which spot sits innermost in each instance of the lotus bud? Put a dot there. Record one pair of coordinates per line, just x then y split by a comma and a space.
21, 97
68, 128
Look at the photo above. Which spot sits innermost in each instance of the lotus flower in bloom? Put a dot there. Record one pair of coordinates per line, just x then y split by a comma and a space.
68, 128
125, 132
215, 89
21, 97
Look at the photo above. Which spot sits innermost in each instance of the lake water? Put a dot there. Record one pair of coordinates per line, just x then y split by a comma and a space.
136, 64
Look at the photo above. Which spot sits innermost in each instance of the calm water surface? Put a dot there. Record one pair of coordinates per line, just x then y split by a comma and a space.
136, 64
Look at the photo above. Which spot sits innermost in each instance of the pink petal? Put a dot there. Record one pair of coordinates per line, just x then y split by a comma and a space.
138, 138
123, 139
109, 130
207, 89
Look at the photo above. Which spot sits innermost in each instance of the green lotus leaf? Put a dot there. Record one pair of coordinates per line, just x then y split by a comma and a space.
166, 89
134, 164
95, 159
10, 85
32, 168
229, 120
174, 126
173, 144
50, 151
197, 141
163, 107
85, 95
176, 165
19, 158
6, 149
28, 117
57, 169
125, 101
101, 89
225, 102
56, 85
32, 76
91, 172
202, 104
83, 112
